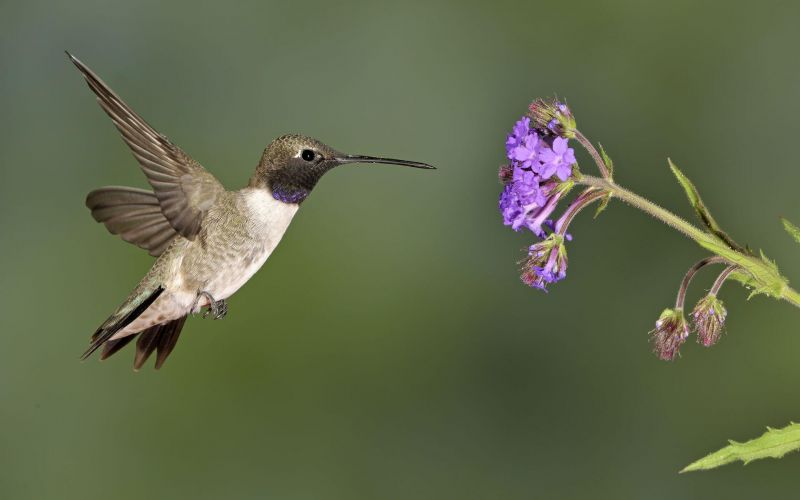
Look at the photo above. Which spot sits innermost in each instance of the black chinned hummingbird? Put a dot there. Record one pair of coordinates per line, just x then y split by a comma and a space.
208, 241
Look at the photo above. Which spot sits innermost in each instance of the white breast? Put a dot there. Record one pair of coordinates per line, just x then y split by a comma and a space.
269, 220
272, 214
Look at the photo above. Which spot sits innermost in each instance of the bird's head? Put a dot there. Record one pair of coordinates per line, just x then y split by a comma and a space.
293, 164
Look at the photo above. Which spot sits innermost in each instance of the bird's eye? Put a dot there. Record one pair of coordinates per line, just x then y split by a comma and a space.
307, 155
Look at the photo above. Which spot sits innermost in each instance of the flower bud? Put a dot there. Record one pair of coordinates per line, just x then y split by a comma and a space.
546, 262
709, 319
670, 332
505, 174
553, 117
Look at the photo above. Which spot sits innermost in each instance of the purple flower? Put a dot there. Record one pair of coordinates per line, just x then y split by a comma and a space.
526, 153
670, 332
517, 135
522, 196
535, 220
535, 180
511, 208
531, 190
546, 263
557, 160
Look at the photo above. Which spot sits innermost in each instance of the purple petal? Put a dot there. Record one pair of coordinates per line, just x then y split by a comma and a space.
559, 145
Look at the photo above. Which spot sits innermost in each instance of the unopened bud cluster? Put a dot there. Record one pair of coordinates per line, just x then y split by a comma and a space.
553, 117
709, 319
670, 332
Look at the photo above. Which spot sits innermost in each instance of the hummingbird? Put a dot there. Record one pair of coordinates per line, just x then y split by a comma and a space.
208, 241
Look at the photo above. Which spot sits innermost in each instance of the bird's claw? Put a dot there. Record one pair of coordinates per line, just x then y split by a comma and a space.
217, 309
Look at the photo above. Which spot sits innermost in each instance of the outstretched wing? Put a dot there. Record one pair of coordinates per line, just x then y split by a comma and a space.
184, 189
134, 214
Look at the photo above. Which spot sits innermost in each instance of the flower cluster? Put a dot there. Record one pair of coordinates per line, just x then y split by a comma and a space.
672, 329
540, 163
708, 316
546, 262
539, 174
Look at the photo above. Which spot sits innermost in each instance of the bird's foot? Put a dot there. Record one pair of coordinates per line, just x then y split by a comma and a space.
217, 309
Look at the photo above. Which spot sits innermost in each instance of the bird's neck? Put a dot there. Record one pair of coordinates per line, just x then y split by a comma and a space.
279, 189
284, 186
264, 210
288, 193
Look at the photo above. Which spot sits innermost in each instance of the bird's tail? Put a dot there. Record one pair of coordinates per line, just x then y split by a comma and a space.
160, 338
136, 304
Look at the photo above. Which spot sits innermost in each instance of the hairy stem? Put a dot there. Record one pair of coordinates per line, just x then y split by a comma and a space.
761, 272
690, 274
721, 279
581, 202
646, 206
587, 144
792, 296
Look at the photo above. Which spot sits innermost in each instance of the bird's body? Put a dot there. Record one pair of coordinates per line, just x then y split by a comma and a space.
208, 241
243, 228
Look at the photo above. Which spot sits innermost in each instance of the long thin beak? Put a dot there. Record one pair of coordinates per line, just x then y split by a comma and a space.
374, 159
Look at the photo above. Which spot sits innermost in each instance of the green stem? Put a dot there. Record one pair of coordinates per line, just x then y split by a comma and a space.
792, 296
646, 206
762, 273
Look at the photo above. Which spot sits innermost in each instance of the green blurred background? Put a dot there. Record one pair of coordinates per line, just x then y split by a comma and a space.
387, 349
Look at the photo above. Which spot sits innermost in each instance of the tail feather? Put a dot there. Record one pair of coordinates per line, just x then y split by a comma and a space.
146, 344
119, 321
160, 338
167, 341
112, 346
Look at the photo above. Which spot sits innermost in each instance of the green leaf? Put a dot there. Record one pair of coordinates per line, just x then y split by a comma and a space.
793, 230
700, 209
764, 276
603, 204
775, 443
744, 278
609, 165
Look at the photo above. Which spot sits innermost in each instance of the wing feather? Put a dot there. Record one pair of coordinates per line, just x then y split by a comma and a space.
184, 189
134, 214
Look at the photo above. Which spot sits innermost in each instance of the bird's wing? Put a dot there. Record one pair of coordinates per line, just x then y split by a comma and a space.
134, 214
184, 189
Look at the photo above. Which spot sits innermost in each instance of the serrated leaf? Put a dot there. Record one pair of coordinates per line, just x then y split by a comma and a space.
769, 262
775, 443
772, 283
700, 209
793, 230
609, 164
